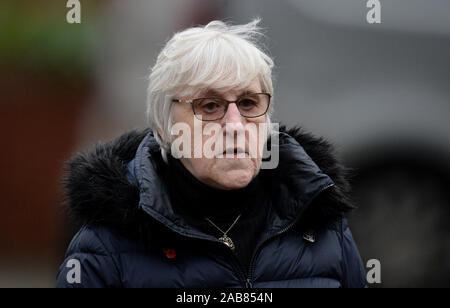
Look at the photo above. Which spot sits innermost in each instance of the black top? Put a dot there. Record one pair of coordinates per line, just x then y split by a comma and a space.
195, 200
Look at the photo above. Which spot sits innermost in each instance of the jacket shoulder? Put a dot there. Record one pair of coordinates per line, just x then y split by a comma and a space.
102, 240
92, 239
91, 260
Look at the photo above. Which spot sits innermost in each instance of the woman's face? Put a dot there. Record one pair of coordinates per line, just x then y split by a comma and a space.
219, 170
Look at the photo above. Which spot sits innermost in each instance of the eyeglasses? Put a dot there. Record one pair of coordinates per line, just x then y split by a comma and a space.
215, 108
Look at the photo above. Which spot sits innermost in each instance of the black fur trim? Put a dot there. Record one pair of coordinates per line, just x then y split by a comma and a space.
335, 202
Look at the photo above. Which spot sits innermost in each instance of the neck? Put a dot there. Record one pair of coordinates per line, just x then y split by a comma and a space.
192, 197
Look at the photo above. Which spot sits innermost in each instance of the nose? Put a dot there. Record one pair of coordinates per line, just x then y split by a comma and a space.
233, 116
234, 124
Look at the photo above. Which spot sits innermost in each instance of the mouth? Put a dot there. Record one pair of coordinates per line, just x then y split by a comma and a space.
234, 153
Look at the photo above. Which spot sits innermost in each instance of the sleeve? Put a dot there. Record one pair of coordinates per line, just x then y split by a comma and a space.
88, 264
353, 269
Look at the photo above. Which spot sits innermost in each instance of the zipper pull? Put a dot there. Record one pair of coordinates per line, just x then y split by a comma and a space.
248, 284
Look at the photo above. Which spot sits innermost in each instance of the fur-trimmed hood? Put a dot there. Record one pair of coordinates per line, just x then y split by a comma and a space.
116, 183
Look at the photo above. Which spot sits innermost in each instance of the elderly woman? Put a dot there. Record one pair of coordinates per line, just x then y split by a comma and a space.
157, 210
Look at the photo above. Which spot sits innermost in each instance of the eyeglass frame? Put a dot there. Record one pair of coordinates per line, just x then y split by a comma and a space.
191, 101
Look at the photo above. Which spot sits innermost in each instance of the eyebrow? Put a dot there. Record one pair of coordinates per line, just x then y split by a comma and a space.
215, 93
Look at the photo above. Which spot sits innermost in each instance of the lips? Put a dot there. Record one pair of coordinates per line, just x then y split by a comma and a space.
233, 152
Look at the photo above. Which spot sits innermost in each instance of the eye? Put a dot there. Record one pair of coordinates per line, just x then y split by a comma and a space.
248, 103
209, 105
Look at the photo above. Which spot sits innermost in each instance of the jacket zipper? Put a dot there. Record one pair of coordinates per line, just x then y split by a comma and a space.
249, 280
238, 266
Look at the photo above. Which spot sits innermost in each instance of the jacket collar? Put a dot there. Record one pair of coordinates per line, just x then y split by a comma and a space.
114, 182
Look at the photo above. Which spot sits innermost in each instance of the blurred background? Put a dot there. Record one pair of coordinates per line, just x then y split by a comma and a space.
379, 92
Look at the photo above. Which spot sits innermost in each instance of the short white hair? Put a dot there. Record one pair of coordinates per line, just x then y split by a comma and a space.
217, 56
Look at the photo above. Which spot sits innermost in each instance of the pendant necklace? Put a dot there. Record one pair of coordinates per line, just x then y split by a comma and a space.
224, 238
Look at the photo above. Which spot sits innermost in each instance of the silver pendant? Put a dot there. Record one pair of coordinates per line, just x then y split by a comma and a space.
309, 236
227, 241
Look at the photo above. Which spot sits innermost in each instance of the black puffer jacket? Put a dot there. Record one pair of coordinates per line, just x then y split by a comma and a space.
130, 237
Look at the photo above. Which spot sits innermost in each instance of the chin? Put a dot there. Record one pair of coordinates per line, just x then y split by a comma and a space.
234, 179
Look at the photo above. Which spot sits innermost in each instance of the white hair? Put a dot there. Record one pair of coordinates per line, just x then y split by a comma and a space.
217, 56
